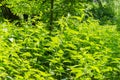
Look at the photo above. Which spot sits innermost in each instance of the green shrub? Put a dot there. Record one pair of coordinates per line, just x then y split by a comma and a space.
77, 51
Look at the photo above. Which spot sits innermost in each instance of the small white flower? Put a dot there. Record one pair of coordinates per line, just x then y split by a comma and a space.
69, 15
11, 39
5, 29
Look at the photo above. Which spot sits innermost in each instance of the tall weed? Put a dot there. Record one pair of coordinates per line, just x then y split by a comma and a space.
77, 51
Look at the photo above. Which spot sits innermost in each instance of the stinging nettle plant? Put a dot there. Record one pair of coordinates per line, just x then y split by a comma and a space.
77, 49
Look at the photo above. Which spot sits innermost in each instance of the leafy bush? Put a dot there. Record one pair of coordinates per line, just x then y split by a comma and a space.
39, 8
77, 51
117, 11
103, 11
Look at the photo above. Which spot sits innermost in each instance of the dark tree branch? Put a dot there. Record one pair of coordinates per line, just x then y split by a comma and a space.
7, 13
51, 15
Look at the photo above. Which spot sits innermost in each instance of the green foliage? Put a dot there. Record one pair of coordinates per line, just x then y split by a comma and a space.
117, 11
41, 8
78, 47
105, 12
77, 51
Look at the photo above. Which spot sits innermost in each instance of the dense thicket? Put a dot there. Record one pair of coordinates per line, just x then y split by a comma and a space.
59, 40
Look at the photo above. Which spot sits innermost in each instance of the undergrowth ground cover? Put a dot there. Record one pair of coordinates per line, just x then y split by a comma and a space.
59, 40
75, 51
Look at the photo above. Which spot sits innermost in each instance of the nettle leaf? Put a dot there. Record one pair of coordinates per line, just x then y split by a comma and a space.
77, 71
79, 18
2, 68
89, 57
27, 54
60, 53
60, 69
55, 39
71, 46
79, 74
96, 69
3, 74
55, 60
19, 77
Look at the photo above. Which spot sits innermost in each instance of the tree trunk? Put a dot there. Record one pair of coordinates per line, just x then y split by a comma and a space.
51, 15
